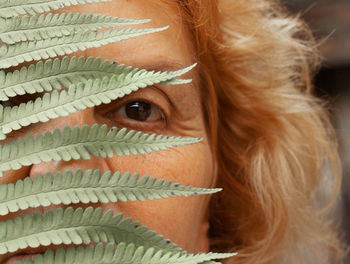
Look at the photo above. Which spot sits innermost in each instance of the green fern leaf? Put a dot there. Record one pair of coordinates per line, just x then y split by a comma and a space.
88, 187
48, 26
78, 98
77, 227
123, 254
9, 8
36, 50
59, 73
81, 143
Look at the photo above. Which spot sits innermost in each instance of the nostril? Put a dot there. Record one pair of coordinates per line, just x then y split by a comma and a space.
13, 176
43, 168
73, 165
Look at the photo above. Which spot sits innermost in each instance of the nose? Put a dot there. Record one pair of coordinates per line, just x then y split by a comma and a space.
77, 119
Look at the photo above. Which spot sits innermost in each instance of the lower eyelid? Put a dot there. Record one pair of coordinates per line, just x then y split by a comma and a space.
146, 127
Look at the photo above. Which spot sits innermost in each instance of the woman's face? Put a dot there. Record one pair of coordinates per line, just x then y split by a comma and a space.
171, 110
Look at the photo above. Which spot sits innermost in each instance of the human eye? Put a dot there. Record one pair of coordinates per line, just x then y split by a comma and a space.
140, 111
138, 114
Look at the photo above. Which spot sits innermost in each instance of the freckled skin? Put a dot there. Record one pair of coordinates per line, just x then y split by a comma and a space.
181, 219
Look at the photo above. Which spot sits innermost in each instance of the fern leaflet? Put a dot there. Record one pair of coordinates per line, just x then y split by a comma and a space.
123, 254
59, 73
25, 28
81, 143
36, 50
88, 187
77, 226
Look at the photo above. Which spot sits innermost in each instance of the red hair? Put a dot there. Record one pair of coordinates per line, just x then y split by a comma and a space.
271, 137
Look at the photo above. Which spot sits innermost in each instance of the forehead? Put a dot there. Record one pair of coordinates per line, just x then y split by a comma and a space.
173, 44
124, 6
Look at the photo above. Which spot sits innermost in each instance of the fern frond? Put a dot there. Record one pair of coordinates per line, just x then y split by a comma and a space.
82, 143
78, 98
48, 26
12, 55
80, 226
88, 187
9, 8
123, 254
59, 73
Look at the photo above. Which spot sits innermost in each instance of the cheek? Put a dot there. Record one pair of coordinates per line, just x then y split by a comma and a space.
189, 165
176, 218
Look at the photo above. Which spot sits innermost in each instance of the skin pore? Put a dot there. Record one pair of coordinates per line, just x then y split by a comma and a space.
175, 110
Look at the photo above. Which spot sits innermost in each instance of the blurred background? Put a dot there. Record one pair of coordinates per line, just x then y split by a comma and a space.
330, 21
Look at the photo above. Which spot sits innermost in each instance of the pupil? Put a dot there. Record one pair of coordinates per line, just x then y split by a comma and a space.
138, 110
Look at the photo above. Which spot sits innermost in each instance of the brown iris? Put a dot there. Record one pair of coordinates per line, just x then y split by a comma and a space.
138, 110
